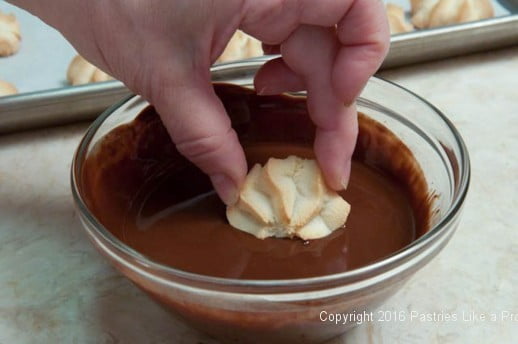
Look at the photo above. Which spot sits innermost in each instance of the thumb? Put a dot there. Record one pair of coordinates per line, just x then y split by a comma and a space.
201, 130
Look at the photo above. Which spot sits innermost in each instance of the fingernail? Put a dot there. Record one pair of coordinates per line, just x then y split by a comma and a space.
351, 103
345, 184
225, 188
346, 175
261, 91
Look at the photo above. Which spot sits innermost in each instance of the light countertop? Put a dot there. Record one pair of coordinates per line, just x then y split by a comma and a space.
55, 288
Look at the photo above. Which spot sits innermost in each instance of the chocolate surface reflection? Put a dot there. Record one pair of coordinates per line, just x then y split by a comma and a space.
151, 198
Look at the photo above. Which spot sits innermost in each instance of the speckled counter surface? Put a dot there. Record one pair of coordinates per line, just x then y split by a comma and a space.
55, 288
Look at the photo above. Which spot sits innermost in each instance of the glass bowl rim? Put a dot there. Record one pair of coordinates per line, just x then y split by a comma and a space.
379, 266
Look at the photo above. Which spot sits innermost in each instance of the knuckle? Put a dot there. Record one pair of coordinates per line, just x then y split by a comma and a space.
270, 21
201, 149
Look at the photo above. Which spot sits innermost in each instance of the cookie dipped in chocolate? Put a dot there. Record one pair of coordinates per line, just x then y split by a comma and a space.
152, 199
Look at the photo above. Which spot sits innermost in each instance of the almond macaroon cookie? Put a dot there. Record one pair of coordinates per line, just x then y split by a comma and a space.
7, 89
433, 13
10, 36
241, 46
288, 198
81, 72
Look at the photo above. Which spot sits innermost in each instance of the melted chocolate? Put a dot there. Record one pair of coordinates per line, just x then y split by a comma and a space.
151, 198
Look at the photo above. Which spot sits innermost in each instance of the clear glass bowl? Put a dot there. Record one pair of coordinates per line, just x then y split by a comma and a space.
297, 310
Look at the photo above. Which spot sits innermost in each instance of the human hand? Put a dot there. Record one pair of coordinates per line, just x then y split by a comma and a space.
163, 50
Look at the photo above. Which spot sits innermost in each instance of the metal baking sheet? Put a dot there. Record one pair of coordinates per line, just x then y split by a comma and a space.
448, 41
39, 69
453, 40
